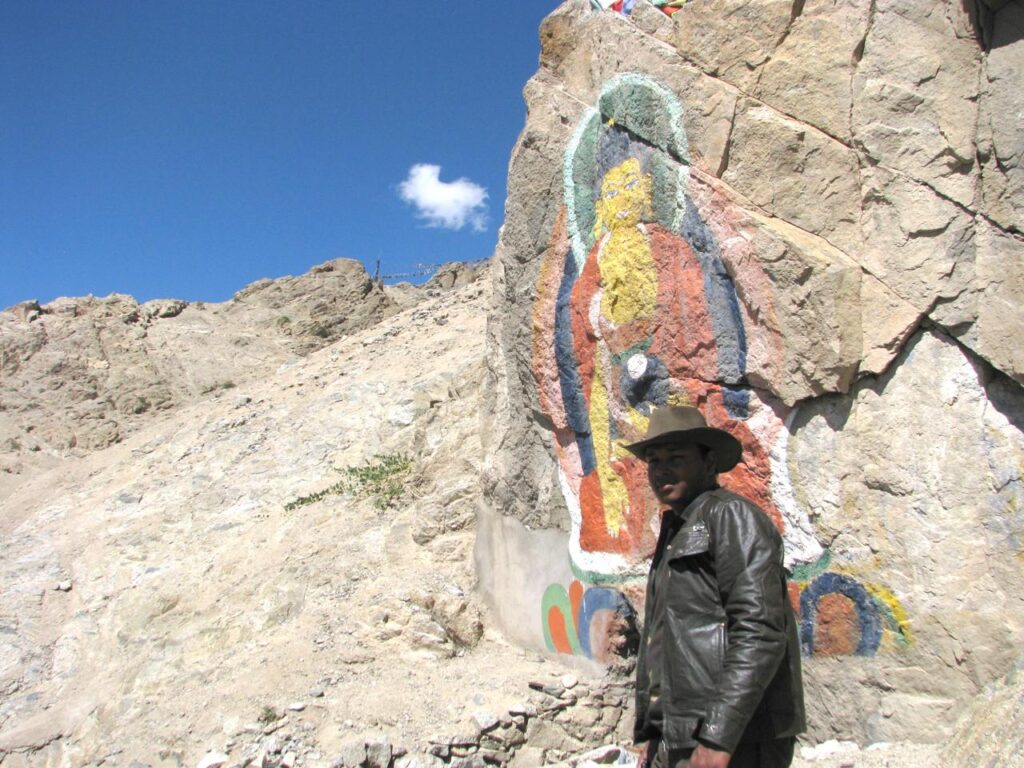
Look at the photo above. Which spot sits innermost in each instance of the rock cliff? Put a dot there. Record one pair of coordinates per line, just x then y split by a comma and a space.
803, 217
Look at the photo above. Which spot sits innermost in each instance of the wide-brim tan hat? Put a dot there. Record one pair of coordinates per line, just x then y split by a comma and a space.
683, 424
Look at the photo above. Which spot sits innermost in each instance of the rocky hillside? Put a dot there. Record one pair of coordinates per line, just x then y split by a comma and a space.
188, 588
77, 375
282, 574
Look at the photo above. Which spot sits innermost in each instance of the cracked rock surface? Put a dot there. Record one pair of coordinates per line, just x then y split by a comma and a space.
850, 173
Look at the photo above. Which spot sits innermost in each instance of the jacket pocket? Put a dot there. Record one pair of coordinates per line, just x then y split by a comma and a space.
689, 543
694, 658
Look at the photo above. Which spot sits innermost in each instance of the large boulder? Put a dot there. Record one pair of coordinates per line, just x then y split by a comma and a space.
801, 218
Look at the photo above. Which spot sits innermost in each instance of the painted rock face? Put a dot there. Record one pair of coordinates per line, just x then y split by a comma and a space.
635, 309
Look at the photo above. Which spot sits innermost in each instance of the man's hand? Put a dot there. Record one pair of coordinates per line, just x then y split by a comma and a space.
706, 757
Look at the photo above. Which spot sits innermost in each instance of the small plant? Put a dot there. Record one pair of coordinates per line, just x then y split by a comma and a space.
338, 488
380, 479
319, 331
214, 387
268, 715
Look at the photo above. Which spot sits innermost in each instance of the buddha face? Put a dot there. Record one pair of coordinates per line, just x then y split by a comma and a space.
625, 197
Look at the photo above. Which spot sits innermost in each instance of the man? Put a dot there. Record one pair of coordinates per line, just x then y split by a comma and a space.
718, 674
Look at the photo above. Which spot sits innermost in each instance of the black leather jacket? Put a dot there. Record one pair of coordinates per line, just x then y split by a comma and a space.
730, 652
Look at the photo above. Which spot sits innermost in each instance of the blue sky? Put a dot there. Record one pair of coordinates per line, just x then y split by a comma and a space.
184, 149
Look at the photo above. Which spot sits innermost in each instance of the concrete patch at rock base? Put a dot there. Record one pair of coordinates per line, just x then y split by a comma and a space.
506, 549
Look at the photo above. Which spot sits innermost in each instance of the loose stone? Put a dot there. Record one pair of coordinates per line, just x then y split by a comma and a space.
213, 760
486, 721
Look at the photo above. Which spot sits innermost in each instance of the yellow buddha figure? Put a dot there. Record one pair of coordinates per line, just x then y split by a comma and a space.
628, 277
627, 286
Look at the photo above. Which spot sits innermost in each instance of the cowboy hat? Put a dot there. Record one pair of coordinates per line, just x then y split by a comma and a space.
683, 424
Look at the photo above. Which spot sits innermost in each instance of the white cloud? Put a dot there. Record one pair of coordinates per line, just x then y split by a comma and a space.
447, 204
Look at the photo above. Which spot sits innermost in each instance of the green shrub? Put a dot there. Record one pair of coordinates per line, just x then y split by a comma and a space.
381, 479
268, 715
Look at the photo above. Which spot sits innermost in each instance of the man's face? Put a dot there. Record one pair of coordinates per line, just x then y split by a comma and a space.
679, 472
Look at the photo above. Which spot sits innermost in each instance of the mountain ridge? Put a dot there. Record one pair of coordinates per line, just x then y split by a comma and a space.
79, 374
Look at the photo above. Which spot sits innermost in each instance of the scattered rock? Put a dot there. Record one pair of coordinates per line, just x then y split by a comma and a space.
487, 721
213, 760
611, 754
419, 761
351, 755
378, 754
